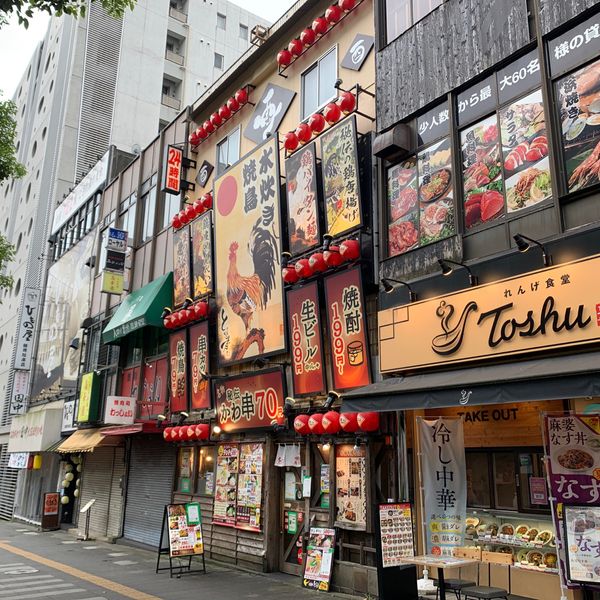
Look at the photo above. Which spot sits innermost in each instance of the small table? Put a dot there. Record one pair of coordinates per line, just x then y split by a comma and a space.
441, 563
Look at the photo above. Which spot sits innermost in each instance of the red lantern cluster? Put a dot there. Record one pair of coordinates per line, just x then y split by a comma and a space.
184, 316
191, 211
219, 117
317, 29
333, 422
187, 433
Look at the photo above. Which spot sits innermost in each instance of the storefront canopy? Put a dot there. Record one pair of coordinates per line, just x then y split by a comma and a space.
86, 440
141, 308
556, 378
123, 429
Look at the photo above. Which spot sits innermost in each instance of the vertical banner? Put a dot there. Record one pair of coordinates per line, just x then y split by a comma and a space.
302, 195
199, 366
202, 255
171, 182
443, 481
31, 303
319, 560
348, 329
224, 507
181, 266
19, 400
248, 246
249, 488
304, 330
177, 358
341, 184
351, 487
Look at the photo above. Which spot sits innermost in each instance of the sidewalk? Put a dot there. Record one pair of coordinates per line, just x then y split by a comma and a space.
134, 567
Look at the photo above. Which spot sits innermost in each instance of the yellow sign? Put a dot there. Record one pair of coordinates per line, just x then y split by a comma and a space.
112, 283
86, 397
546, 309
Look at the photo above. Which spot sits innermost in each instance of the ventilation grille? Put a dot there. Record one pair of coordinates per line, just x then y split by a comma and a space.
8, 477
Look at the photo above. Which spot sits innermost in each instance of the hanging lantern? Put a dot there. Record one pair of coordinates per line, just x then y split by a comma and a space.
348, 422
168, 322
69, 476
198, 208
190, 432
175, 222
315, 423
200, 310
284, 58
350, 250
76, 493
183, 217
216, 120
368, 421
193, 138
301, 424
68, 468
308, 37
202, 431
225, 112
190, 212
167, 433
79, 468
303, 268
37, 464
303, 132
233, 104
347, 102
65, 483
316, 123
207, 201
64, 500
290, 141
332, 257
320, 26
333, 14
208, 127
242, 96
331, 422
346, 5
295, 47
317, 262
289, 274
77, 482
201, 133
332, 113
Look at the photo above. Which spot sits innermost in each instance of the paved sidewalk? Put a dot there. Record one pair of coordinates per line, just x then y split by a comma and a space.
36, 565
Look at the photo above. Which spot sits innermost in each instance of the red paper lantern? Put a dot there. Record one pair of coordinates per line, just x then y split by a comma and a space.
308, 37
174, 434
331, 422
333, 14
207, 201
350, 250
303, 268
295, 47
332, 113
316, 123
348, 422
190, 432
201, 133
289, 275
167, 322
198, 208
202, 431
332, 257
190, 212
346, 5
284, 58
208, 126
225, 112
347, 102
320, 25
301, 424
176, 222
216, 119
167, 433
303, 132
200, 310
183, 218
242, 96
368, 421
193, 138
317, 262
290, 141
315, 423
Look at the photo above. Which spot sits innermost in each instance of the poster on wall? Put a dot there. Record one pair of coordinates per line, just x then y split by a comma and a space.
185, 529
249, 487
302, 197
178, 359
130, 382
319, 559
199, 366
582, 544
351, 487
154, 388
27, 327
249, 288
202, 270
348, 330
443, 473
341, 183
304, 330
396, 532
181, 266
224, 509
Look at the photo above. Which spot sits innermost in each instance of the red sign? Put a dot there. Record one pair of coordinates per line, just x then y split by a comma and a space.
304, 326
51, 500
199, 365
130, 382
154, 391
178, 359
348, 327
172, 174
250, 401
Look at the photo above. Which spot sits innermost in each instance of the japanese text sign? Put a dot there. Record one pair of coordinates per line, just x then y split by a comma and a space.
227, 466
35, 430
248, 513
172, 170
582, 544
27, 325
199, 365
119, 410
433, 124
250, 401
89, 398
550, 308
181, 266
443, 478
477, 101
269, 113
185, 537
348, 329
520, 76
319, 562
178, 360
202, 255
19, 399
116, 239
304, 325
351, 486
113, 283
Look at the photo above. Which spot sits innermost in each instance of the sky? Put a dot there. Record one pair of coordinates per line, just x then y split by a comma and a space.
14, 36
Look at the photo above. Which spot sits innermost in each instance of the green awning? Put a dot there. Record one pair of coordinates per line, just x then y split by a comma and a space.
140, 309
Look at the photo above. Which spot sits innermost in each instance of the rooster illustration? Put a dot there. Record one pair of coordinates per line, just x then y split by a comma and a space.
246, 294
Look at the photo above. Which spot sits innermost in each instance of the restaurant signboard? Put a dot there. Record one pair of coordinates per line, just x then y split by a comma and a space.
178, 360
173, 169
547, 309
199, 365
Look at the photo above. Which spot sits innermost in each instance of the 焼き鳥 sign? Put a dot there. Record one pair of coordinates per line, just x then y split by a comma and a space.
178, 359
181, 265
199, 365
202, 272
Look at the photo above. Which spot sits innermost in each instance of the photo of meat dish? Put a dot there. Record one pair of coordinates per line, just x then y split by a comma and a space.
407, 201
402, 236
436, 187
434, 217
529, 187
575, 459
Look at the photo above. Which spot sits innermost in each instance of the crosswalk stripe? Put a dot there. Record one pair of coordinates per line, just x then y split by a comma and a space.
46, 580
10, 565
36, 587
46, 594
26, 578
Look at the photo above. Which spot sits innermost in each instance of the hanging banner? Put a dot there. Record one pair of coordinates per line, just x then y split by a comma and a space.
304, 330
27, 325
224, 507
249, 488
250, 320
178, 358
199, 366
88, 409
154, 389
19, 399
351, 487
302, 196
443, 477
171, 182
185, 529
348, 329
181, 266
341, 184
202, 270
319, 559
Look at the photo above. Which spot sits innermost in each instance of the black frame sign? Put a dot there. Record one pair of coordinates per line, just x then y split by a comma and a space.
171, 183
520, 76
477, 101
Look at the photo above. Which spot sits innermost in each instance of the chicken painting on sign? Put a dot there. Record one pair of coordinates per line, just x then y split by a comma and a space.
249, 289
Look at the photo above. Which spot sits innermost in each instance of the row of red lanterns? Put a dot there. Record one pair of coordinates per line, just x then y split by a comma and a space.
319, 262
185, 433
333, 422
318, 28
191, 211
219, 117
316, 123
183, 316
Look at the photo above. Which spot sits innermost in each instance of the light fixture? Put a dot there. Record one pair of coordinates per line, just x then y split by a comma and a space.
288, 406
387, 283
167, 310
277, 427
74, 343
260, 362
203, 375
91, 261
332, 396
524, 243
216, 430
182, 417
357, 443
149, 365
327, 239
187, 302
160, 420
447, 269
326, 446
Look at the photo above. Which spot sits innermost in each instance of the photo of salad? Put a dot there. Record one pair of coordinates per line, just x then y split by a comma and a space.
529, 187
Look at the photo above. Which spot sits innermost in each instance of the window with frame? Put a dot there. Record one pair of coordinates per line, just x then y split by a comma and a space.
205, 480
221, 21
318, 83
401, 15
228, 151
219, 61
244, 32
171, 205
128, 210
148, 206
185, 470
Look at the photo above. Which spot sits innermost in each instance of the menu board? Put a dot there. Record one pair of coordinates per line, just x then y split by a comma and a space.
249, 488
582, 543
185, 529
351, 487
395, 526
319, 559
226, 485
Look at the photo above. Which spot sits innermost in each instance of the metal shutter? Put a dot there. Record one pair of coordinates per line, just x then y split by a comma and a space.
8, 484
149, 485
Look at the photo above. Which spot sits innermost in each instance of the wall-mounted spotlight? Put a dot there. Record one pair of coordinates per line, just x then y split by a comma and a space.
182, 417
216, 430
74, 343
448, 269
524, 243
332, 396
288, 406
160, 420
387, 284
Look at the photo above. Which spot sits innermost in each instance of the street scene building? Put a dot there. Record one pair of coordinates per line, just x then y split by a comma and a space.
335, 317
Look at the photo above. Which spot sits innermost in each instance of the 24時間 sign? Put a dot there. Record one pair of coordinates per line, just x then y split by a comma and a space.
250, 401
173, 167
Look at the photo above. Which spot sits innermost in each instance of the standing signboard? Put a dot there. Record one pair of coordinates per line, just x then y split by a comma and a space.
51, 512
27, 325
319, 559
351, 487
582, 544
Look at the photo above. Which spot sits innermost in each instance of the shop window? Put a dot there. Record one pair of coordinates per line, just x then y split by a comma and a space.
478, 480
401, 15
228, 151
532, 482
133, 351
205, 483
185, 470
154, 389
318, 83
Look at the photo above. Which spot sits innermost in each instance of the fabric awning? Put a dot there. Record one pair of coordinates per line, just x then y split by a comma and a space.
555, 378
86, 440
123, 429
140, 309
53, 447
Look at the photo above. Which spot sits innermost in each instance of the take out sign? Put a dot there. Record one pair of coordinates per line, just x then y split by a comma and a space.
546, 309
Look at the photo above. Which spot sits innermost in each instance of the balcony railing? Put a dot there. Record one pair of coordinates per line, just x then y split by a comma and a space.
178, 15
174, 57
171, 102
